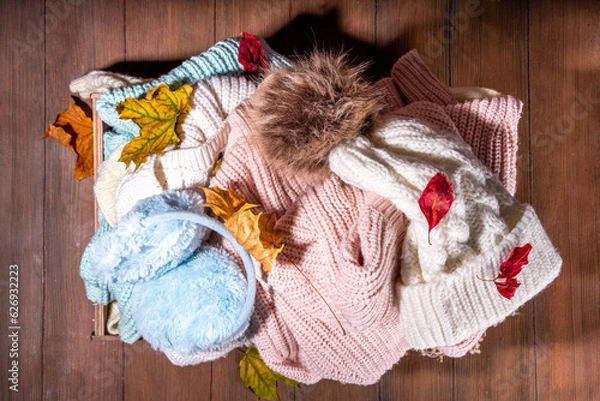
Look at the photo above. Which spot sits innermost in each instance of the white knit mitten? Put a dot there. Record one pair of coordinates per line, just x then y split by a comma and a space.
100, 82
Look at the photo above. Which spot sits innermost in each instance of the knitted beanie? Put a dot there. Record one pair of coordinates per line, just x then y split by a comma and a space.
488, 125
326, 309
443, 298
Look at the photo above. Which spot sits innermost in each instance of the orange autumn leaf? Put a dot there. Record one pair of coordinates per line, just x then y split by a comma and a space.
255, 232
244, 225
74, 130
159, 117
266, 225
224, 203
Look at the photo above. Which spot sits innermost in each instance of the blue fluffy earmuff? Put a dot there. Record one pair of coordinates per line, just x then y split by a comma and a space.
202, 304
187, 297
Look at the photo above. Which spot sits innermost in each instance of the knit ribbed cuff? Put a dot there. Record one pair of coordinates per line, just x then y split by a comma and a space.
490, 126
393, 100
450, 310
416, 81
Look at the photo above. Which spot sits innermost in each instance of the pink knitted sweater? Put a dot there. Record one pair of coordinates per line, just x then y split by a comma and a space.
328, 309
341, 245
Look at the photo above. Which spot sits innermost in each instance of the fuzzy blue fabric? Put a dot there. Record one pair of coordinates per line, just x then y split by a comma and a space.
100, 292
135, 250
105, 277
193, 308
111, 139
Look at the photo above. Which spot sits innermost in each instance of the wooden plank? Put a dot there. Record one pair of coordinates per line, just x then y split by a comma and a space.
565, 179
413, 24
75, 368
496, 58
100, 311
403, 26
333, 25
263, 18
22, 200
169, 33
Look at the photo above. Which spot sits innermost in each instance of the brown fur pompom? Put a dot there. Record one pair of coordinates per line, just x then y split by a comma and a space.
299, 114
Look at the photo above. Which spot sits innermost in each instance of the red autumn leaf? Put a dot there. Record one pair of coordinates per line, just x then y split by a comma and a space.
505, 282
436, 200
251, 54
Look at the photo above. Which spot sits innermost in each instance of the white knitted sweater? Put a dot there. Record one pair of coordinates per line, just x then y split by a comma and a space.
118, 188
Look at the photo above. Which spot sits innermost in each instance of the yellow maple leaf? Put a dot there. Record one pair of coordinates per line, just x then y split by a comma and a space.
255, 232
75, 130
159, 117
259, 378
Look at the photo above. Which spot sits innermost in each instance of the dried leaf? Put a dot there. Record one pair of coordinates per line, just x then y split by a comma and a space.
251, 54
505, 281
255, 232
224, 203
259, 378
75, 130
266, 225
159, 117
245, 227
436, 200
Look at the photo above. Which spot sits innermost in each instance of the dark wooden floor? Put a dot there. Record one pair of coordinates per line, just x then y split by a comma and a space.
545, 52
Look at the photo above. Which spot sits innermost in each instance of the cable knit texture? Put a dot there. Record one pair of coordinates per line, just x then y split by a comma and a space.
356, 285
489, 125
342, 241
443, 300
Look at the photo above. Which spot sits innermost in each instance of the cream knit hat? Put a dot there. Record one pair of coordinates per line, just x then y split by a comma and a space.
443, 297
